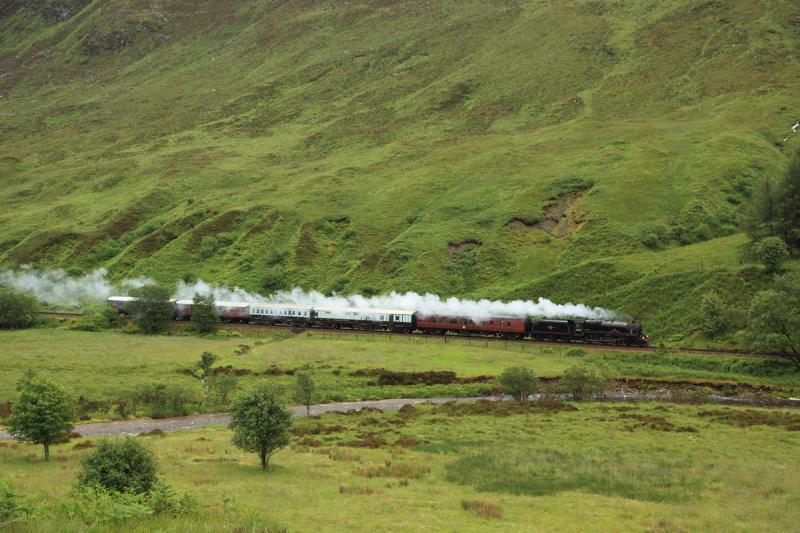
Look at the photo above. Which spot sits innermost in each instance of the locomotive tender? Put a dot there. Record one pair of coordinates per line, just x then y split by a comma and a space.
407, 321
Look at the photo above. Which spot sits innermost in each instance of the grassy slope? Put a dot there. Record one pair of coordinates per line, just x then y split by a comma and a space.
600, 468
346, 145
108, 366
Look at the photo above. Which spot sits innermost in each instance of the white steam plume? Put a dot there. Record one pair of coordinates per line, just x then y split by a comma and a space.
430, 304
221, 293
58, 288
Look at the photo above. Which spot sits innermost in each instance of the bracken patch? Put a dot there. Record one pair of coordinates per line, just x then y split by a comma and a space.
368, 440
482, 508
753, 417
353, 489
393, 470
499, 408
316, 430
654, 422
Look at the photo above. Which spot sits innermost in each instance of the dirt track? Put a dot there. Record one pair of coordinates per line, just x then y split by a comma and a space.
143, 425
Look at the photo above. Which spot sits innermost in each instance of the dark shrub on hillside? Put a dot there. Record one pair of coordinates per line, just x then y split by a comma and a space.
16, 309
124, 465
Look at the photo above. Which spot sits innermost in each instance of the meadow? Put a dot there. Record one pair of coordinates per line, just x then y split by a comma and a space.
105, 366
477, 467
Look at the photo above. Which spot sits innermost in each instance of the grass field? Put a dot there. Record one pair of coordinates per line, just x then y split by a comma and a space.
110, 365
408, 145
585, 466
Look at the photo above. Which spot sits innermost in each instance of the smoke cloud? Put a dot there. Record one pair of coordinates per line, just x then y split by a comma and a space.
56, 287
430, 304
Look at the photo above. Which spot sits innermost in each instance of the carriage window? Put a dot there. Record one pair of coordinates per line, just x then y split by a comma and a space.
454, 321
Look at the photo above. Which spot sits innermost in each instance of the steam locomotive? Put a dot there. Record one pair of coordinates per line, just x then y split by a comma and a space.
408, 321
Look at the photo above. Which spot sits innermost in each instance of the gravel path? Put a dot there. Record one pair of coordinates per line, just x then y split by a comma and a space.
143, 425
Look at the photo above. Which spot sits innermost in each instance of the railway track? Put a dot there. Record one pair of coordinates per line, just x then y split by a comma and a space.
443, 338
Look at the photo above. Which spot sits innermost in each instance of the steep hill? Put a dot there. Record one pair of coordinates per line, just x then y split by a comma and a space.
595, 150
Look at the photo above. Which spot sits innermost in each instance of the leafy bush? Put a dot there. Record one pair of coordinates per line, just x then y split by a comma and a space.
13, 506
98, 318
772, 252
165, 400
121, 465
16, 309
774, 319
713, 314
152, 310
576, 352
92, 505
208, 246
221, 389
204, 313
585, 382
163, 499
519, 382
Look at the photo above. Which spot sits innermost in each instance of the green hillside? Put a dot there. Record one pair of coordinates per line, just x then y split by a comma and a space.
590, 150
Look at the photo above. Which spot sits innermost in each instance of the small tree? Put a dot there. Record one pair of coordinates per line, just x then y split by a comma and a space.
774, 321
43, 413
121, 465
772, 252
204, 313
519, 382
713, 320
151, 310
585, 382
787, 205
16, 309
304, 390
222, 387
207, 360
205, 363
260, 422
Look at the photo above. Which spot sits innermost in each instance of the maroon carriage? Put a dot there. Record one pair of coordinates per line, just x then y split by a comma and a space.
507, 327
233, 311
